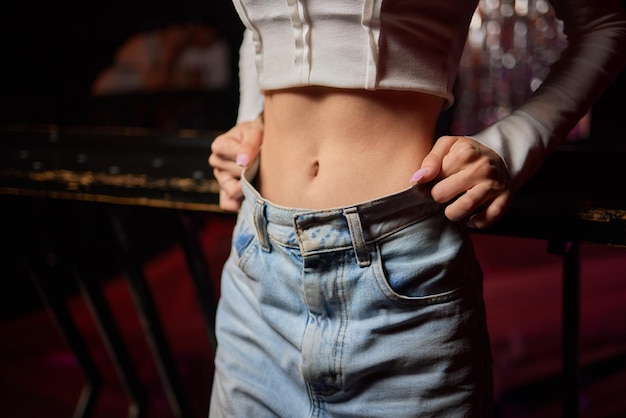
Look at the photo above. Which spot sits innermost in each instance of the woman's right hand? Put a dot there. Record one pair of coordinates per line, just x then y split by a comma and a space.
230, 153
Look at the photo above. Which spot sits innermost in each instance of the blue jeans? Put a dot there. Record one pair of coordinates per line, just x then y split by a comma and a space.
374, 310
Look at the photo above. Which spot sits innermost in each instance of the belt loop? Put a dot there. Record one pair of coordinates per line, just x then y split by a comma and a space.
358, 239
260, 222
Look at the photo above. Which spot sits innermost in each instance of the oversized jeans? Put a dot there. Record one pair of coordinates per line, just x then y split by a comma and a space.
373, 310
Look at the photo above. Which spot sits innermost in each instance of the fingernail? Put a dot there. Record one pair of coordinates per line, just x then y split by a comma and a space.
243, 160
418, 175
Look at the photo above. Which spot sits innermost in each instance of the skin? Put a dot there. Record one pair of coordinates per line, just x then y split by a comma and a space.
357, 145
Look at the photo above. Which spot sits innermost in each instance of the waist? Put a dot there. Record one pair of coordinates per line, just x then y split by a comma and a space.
325, 147
316, 230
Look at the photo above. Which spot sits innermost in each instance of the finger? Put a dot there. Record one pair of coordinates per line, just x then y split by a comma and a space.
226, 145
232, 188
469, 202
229, 203
454, 185
224, 165
248, 149
228, 181
465, 167
461, 154
432, 163
230, 194
491, 213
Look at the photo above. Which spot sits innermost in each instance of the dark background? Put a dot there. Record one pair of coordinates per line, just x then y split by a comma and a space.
51, 52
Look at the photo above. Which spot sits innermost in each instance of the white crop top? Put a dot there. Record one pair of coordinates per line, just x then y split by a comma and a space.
362, 44
416, 45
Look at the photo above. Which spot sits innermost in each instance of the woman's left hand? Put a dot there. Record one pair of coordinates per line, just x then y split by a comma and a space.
470, 177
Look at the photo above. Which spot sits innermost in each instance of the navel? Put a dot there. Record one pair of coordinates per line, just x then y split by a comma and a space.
315, 169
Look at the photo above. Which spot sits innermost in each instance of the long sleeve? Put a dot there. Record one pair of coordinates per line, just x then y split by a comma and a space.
595, 55
250, 97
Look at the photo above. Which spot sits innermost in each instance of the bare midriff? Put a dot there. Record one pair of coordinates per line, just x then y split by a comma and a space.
325, 148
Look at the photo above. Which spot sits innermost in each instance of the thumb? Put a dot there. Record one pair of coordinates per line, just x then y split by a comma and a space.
250, 144
432, 163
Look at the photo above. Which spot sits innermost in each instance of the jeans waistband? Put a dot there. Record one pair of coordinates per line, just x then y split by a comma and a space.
316, 231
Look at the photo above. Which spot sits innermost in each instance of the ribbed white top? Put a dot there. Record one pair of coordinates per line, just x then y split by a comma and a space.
365, 44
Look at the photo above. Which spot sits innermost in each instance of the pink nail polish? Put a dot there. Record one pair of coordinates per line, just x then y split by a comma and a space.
243, 160
418, 175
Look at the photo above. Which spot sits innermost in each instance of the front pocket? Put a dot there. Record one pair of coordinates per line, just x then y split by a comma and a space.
243, 239
427, 262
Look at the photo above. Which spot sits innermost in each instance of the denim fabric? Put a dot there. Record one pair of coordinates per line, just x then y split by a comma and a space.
374, 310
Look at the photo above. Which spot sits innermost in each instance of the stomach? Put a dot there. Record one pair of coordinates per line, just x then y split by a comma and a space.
325, 148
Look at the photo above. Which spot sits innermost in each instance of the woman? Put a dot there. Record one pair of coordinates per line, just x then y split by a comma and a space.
352, 288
